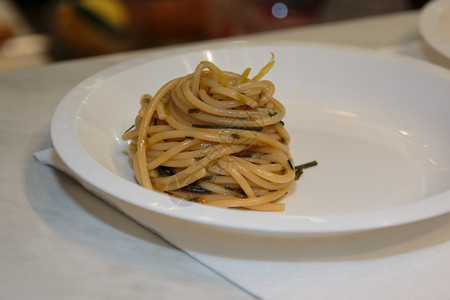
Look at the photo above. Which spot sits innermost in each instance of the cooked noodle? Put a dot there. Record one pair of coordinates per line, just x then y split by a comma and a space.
214, 137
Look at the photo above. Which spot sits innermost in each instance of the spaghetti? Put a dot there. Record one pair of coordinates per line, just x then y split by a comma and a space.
214, 137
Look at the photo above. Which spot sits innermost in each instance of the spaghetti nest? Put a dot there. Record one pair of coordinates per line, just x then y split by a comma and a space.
214, 137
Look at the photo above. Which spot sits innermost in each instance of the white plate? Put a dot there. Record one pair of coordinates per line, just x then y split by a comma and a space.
434, 24
378, 125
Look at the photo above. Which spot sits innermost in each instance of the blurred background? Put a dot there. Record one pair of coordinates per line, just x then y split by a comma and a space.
34, 32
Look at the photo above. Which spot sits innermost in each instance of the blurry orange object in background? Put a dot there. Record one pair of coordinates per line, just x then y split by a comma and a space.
91, 27
169, 21
5, 32
77, 28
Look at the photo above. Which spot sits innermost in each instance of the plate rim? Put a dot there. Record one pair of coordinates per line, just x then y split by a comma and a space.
310, 224
429, 26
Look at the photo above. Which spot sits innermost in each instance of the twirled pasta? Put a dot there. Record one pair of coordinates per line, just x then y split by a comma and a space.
214, 137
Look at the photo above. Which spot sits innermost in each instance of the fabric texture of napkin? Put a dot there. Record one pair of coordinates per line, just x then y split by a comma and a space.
405, 262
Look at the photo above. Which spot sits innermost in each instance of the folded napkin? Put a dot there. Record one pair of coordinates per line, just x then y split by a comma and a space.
404, 262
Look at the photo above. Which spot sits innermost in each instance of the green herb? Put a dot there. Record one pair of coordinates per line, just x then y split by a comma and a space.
236, 136
299, 168
131, 127
192, 188
189, 137
298, 173
271, 191
240, 191
290, 164
272, 114
193, 110
307, 165
146, 141
165, 171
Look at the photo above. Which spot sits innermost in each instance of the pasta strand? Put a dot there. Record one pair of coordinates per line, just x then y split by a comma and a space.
214, 137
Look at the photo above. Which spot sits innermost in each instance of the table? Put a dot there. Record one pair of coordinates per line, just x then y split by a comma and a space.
57, 241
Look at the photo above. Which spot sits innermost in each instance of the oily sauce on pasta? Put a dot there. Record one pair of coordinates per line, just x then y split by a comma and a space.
214, 137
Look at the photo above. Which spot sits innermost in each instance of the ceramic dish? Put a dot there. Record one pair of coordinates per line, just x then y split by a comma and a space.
377, 124
434, 24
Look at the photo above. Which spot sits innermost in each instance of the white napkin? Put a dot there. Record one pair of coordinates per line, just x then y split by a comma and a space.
405, 262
